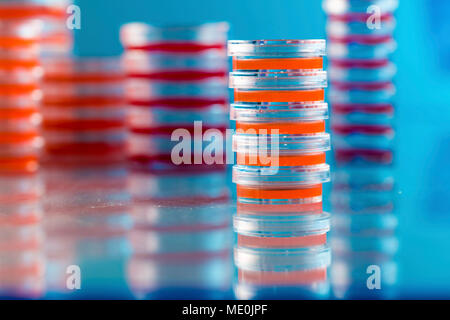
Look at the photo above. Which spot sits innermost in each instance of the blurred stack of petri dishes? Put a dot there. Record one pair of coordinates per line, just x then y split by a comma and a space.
20, 75
281, 143
361, 75
22, 255
175, 76
83, 110
29, 28
361, 42
177, 79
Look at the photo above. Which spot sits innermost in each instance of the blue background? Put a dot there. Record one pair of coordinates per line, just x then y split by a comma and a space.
422, 102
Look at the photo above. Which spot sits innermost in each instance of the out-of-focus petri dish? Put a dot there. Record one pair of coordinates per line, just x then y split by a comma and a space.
280, 185
286, 150
179, 39
285, 231
277, 54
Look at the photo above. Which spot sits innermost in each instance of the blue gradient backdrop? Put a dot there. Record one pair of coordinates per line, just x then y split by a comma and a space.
423, 101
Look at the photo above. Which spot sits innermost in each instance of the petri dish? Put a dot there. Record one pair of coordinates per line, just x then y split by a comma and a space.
289, 150
180, 39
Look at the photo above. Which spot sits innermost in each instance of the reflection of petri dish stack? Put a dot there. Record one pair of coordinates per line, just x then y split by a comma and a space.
175, 76
364, 225
281, 253
181, 236
361, 42
281, 148
83, 109
87, 210
22, 259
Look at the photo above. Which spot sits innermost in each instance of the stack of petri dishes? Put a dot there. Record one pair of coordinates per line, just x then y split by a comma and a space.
177, 79
176, 76
20, 74
361, 42
361, 75
28, 27
83, 109
281, 143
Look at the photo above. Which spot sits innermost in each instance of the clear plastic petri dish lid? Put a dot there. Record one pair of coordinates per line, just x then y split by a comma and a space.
342, 50
70, 92
260, 259
71, 113
280, 177
339, 28
289, 144
139, 34
348, 7
72, 68
354, 74
142, 89
155, 117
279, 112
278, 80
276, 48
281, 225
383, 96
141, 61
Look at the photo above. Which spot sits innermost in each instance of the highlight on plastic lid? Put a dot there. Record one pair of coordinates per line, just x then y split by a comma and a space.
277, 48
285, 260
15, 32
280, 177
279, 80
279, 112
301, 230
348, 7
192, 38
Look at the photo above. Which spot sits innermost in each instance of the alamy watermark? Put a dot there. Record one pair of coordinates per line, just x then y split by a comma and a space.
215, 147
74, 19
